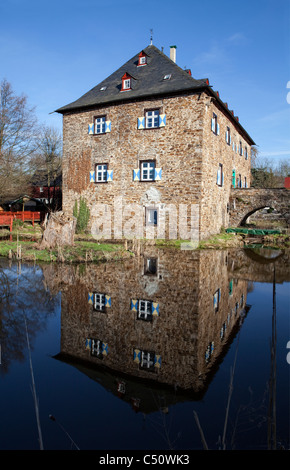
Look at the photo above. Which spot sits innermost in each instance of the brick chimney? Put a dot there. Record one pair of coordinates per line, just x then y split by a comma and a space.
173, 53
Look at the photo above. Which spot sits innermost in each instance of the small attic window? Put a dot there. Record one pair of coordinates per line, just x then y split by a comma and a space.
126, 82
142, 59
103, 88
167, 77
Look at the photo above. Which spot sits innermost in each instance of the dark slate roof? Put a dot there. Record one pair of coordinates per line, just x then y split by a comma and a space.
147, 81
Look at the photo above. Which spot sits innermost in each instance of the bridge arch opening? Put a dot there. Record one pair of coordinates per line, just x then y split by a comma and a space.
266, 216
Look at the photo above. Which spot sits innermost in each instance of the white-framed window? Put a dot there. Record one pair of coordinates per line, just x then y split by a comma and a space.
228, 136
142, 60
100, 124
214, 124
220, 176
127, 84
101, 172
99, 302
151, 216
145, 310
147, 170
240, 148
147, 360
152, 118
97, 348
216, 300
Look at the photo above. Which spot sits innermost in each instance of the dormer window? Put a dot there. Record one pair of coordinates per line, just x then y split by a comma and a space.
126, 82
142, 59
167, 77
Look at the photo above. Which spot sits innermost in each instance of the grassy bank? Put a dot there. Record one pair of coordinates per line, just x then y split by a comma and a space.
82, 251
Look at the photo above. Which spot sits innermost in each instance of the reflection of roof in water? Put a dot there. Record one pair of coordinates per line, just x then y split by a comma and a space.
146, 396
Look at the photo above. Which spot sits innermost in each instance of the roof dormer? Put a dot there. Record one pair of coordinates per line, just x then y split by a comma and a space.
126, 82
142, 60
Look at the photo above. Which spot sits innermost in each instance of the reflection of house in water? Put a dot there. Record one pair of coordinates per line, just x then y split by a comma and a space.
164, 319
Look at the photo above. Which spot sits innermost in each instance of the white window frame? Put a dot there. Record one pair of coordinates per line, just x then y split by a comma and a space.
100, 124
142, 60
152, 118
219, 181
147, 360
146, 168
214, 124
145, 309
228, 136
99, 301
126, 83
101, 169
240, 148
96, 348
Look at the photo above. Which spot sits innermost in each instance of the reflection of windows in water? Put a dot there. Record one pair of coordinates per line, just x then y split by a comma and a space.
147, 360
97, 348
145, 309
99, 302
209, 351
150, 266
216, 300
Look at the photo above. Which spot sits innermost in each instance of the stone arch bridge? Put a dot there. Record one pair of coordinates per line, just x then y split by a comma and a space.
244, 202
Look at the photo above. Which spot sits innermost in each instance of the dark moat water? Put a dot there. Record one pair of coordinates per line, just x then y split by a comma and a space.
128, 355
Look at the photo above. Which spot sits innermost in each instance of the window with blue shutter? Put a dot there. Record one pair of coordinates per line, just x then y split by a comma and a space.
101, 174
215, 127
220, 176
99, 126
152, 119
216, 300
99, 349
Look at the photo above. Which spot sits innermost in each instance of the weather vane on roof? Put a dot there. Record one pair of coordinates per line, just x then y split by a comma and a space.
151, 36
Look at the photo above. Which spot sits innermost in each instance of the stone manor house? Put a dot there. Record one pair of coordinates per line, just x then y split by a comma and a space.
154, 152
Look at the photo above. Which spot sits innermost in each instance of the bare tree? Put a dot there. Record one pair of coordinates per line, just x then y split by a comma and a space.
47, 161
18, 142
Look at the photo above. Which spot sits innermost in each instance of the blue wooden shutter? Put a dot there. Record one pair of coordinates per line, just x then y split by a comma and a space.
92, 176
158, 174
110, 175
162, 120
157, 361
141, 122
105, 349
218, 178
134, 305
107, 301
90, 298
137, 356
108, 126
91, 129
136, 174
155, 309
88, 343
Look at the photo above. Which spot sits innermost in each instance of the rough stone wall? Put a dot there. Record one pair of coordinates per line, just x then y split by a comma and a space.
184, 286
215, 198
185, 149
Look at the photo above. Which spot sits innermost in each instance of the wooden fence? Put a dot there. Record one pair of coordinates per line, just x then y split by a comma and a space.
7, 218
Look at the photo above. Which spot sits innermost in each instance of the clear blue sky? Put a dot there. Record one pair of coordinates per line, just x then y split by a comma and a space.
55, 51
